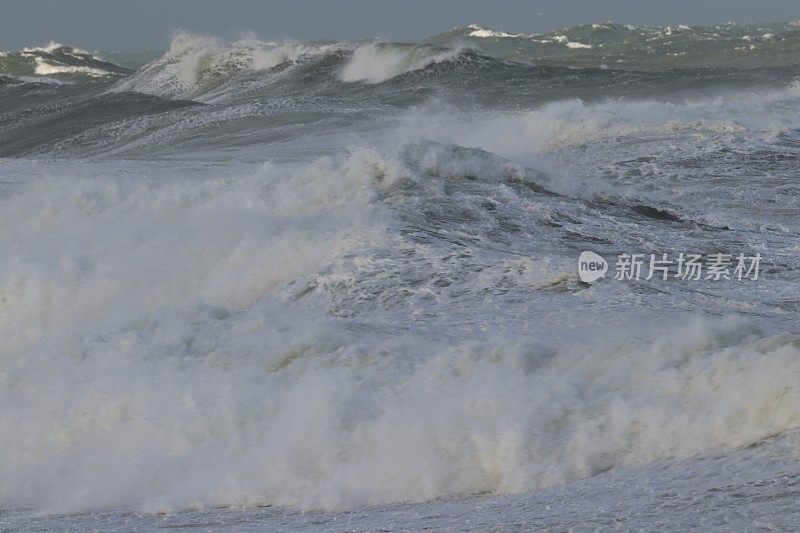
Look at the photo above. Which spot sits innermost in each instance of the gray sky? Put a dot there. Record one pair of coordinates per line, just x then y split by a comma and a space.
134, 24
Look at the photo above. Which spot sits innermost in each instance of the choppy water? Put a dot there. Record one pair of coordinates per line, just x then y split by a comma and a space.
309, 279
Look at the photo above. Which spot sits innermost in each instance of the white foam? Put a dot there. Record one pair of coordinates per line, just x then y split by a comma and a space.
119, 391
46, 68
485, 33
560, 124
151, 360
570, 44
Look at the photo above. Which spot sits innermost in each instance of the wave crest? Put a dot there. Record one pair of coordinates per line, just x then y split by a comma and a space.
58, 60
378, 62
195, 64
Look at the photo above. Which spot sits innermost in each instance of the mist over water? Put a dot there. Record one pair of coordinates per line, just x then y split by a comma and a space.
330, 275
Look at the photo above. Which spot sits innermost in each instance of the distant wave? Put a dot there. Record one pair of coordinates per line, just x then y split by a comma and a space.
195, 64
641, 47
58, 60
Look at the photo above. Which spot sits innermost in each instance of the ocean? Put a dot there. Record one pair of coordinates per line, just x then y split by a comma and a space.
250, 285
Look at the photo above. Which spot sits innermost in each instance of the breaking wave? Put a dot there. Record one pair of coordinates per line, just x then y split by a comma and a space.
377, 62
196, 64
121, 391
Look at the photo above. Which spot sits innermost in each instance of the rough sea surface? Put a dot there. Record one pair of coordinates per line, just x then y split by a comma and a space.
334, 285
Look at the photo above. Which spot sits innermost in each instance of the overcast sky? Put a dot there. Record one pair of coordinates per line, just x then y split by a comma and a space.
135, 24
